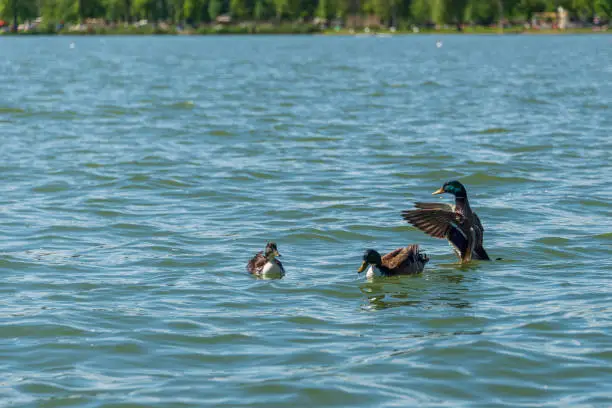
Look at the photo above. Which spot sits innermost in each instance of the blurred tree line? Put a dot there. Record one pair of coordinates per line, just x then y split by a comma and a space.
390, 12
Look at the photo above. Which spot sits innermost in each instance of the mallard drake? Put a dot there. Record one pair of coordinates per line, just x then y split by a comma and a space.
402, 261
264, 264
458, 224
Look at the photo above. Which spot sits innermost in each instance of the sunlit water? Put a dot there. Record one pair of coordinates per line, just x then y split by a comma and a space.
140, 174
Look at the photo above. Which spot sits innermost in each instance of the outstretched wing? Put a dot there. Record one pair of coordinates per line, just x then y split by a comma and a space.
435, 206
256, 263
441, 224
436, 223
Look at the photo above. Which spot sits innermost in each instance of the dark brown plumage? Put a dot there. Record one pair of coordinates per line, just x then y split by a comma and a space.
458, 224
257, 264
401, 261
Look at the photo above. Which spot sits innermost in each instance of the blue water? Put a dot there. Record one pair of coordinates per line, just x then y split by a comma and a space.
140, 174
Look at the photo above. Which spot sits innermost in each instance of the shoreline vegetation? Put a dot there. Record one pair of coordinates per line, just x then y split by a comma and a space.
285, 29
325, 17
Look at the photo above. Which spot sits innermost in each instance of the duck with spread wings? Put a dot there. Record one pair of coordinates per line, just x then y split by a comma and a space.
458, 224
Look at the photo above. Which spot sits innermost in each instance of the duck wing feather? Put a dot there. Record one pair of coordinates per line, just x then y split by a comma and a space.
257, 263
441, 224
405, 260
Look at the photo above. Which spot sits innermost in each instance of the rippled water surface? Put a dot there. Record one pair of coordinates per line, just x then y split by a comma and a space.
140, 174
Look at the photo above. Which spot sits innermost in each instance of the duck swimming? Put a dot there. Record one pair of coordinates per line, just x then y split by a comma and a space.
264, 264
402, 261
458, 224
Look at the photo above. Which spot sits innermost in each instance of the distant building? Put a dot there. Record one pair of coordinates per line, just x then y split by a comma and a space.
223, 19
546, 20
562, 18
356, 20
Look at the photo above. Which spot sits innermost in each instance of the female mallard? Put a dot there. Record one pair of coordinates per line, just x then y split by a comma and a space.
458, 224
264, 264
402, 261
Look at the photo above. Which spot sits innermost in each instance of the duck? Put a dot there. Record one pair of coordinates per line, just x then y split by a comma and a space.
265, 263
457, 223
401, 261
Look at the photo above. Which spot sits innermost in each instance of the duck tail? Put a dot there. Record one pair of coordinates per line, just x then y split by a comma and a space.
417, 255
481, 254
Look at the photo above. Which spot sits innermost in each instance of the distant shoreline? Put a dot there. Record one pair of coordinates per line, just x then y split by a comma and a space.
296, 30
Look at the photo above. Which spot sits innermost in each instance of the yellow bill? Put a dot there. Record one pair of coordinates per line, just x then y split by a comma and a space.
364, 265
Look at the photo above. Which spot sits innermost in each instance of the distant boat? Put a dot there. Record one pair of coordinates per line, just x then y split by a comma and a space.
439, 44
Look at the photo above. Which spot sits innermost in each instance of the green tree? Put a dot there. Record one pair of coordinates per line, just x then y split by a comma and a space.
483, 12
456, 10
115, 10
238, 8
280, 6
60, 10
605, 7
190, 11
143, 9
196, 11
214, 9
438, 11
585, 9
260, 10
528, 7
18, 10
322, 9
340, 8
421, 11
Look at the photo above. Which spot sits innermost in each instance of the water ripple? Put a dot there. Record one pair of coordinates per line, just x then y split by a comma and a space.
141, 177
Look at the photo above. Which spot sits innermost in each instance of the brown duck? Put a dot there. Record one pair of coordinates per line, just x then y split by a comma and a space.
458, 224
264, 264
402, 261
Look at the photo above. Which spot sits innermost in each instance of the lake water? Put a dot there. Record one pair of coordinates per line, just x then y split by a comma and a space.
140, 174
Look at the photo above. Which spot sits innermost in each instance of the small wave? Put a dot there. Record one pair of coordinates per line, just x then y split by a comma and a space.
483, 178
596, 106
40, 331
220, 132
553, 241
493, 131
345, 68
605, 237
534, 101
53, 187
182, 105
11, 110
307, 236
319, 139
595, 203
431, 83
173, 183
396, 85
530, 148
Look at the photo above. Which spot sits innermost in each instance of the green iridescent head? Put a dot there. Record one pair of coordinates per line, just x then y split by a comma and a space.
452, 187
370, 257
271, 251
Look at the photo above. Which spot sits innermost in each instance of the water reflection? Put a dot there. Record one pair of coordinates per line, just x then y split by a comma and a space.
441, 288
